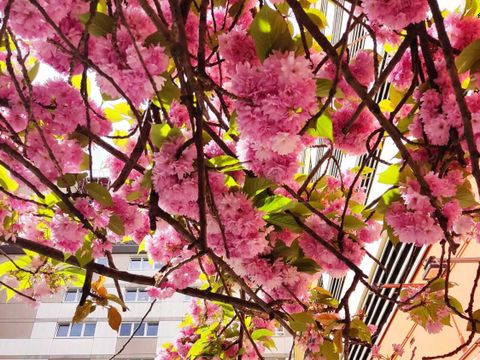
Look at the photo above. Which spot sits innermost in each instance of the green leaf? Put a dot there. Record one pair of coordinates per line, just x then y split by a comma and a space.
468, 57
160, 133
68, 180
276, 203
118, 112
100, 25
155, 38
465, 196
225, 163
359, 330
116, 225
324, 127
386, 106
270, 32
6, 181
32, 73
99, 193
455, 304
197, 348
323, 87
388, 198
390, 176
168, 93
306, 265
476, 316
284, 221
353, 223
471, 7
317, 17
437, 285
394, 239
260, 333
299, 321
254, 185
329, 351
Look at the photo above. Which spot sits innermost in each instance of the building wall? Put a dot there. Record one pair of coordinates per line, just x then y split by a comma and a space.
415, 339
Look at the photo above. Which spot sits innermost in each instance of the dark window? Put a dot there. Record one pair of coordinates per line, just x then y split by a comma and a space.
76, 330
152, 329
126, 329
62, 330
72, 295
89, 330
141, 329
131, 295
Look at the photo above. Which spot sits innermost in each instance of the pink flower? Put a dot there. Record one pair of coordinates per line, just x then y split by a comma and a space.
398, 349
68, 235
160, 293
396, 14
354, 140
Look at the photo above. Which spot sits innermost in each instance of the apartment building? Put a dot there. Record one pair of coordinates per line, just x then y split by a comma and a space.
46, 332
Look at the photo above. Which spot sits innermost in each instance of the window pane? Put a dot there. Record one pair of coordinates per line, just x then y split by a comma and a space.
102, 261
142, 295
130, 295
135, 264
71, 295
146, 265
76, 330
141, 330
89, 329
62, 330
152, 329
125, 329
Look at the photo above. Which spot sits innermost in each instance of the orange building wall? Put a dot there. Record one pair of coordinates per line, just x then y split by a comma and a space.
415, 339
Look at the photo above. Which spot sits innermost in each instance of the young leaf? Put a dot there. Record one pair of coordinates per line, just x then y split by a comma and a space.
114, 318
254, 185
260, 333
390, 176
100, 25
468, 57
299, 321
353, 223
276, 203
160, 133
116, 225
6, 181
324, 127
82, 311
270, 32
323, 87
99, 193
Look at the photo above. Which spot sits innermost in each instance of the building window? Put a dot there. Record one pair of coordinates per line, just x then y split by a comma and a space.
279, 330
142, 263
76, 330
136, 295
144, 329
72, 295
102, 261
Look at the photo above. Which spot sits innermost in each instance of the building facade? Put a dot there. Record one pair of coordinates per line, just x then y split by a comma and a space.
46, 332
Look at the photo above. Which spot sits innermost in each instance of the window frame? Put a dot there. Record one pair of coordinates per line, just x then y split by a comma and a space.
144, 264
78, 295
137, 299
70, 325
135, 324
